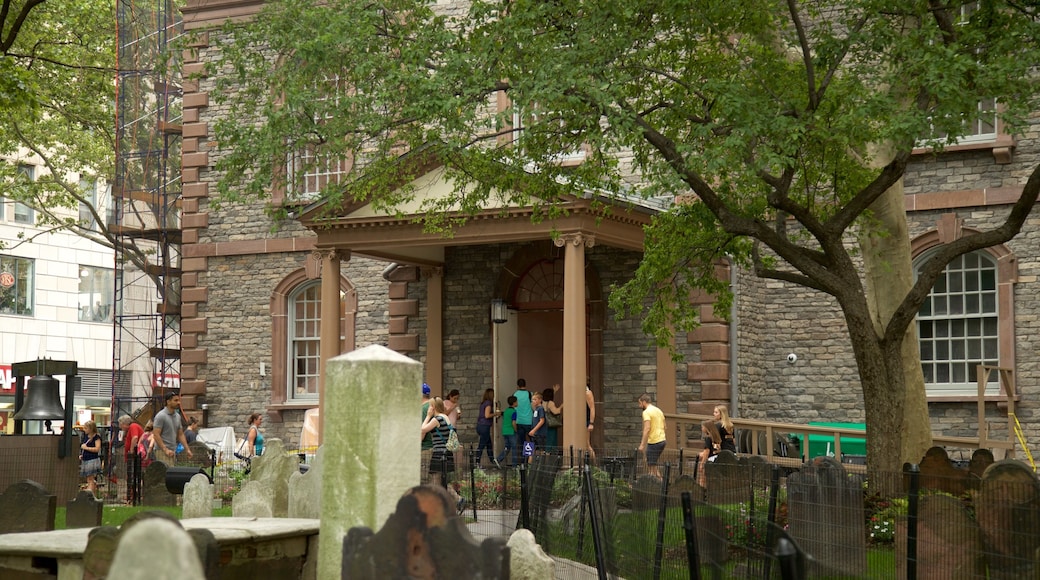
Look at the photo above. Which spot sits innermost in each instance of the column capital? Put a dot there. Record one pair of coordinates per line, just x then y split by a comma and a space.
575, 239
322, 254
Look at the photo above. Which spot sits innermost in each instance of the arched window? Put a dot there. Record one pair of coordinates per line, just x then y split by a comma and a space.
958, 325
304, 341
295, 338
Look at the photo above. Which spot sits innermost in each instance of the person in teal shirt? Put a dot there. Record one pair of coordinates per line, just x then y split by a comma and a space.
509, 433
255, 437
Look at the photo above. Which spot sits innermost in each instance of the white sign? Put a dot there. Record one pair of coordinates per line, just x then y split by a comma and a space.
170, 382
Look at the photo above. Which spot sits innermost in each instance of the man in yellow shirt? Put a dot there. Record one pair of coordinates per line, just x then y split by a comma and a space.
653, 441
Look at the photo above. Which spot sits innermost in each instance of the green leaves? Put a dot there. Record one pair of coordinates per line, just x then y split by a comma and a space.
762, 111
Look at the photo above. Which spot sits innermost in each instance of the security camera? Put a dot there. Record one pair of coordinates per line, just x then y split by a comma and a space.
792, 358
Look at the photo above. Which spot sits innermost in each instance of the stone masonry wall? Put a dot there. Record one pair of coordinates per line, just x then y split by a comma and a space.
823, 385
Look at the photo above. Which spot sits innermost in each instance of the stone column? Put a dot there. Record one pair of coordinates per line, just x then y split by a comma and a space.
371, 450
434, 277
331, 314
575, 352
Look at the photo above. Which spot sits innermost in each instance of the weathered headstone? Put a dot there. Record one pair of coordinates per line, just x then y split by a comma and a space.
27, 507
423, 538
980, 460
198, 498
646, 493
253, 501
371, 458
826, 516
938, 473
948, 541
710, 524
103, 543
527, 560
271, 472
730, 479
153, 486
683, 483
1007, 508
156, 549
305, 490
84, 512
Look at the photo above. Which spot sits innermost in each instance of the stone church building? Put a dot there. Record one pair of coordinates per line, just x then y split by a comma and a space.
256, 328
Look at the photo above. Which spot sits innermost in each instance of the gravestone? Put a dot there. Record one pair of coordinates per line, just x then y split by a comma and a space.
153, 486
731, 479
710, 525
84, 512
103, 544
156, 549
271, 472
253, 501
527, 559
27, 507
980, 460
646, 493
949, 544
826, 516
938, 473
305, 490
685, 483
198, 498
540, 481
372, 457
1007, 508
423, 538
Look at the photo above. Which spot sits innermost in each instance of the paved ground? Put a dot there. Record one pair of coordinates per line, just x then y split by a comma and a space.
502, 523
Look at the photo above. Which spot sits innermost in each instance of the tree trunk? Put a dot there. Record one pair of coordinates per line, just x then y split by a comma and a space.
899, 405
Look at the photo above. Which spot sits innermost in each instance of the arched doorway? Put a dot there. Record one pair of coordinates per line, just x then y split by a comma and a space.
531, 283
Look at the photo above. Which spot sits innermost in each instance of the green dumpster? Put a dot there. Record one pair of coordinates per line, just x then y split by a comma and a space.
824, 444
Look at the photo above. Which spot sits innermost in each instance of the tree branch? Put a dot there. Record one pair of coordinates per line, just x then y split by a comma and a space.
930, 270
12, 32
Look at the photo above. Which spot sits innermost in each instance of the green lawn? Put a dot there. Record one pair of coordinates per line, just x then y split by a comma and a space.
116, 515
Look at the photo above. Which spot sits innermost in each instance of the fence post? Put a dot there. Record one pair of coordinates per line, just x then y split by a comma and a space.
597, 538
580, 551
662, 516
690, 527
473, 480
525, 515
788, 557
911, 521
774, 489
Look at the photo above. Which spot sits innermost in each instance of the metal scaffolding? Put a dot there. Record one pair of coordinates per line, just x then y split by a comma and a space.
147, 198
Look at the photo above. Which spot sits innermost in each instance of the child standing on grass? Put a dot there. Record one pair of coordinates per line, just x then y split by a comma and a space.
508, 433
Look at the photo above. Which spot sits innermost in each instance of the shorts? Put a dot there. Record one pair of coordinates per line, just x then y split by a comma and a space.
442, 461
653, 452
90, 467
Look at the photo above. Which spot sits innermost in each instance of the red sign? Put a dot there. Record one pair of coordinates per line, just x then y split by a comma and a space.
6, 279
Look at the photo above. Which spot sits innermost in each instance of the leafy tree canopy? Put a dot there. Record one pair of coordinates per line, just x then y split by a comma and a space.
57, 96
783, 127
762, 110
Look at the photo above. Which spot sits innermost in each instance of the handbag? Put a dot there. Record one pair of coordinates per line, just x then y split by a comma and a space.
553, 420
452, 443
242, 450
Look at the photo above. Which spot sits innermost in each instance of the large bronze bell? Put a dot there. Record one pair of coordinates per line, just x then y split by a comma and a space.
42, 400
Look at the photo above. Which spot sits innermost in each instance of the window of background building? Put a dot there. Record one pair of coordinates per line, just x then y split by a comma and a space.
305, 341
24, 214
96, 293
958, 326
16, 286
